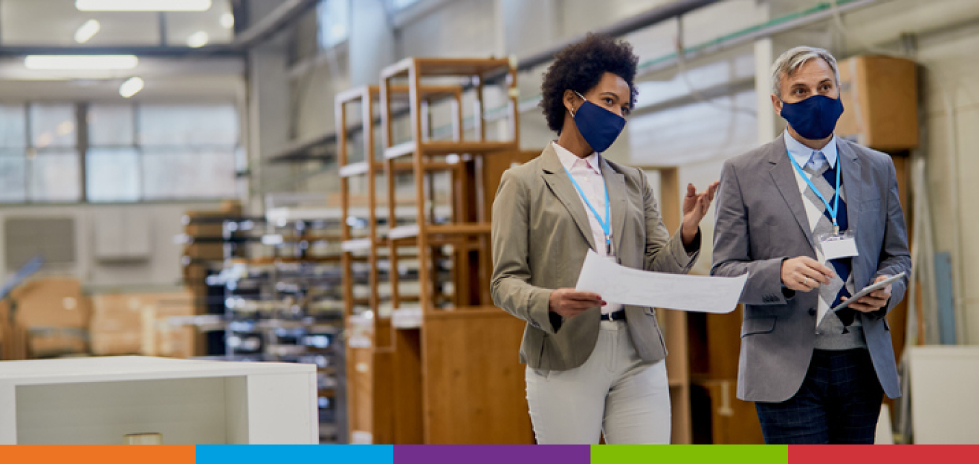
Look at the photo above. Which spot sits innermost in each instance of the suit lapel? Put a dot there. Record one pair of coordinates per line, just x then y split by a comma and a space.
783, 174
557, 180
852, 174
615, 183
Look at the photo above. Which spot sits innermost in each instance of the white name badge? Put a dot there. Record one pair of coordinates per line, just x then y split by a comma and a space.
836, 246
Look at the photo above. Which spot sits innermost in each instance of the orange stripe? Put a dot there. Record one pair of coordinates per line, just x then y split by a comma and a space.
98, 454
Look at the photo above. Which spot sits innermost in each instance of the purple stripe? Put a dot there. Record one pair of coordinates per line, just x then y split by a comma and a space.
491, 454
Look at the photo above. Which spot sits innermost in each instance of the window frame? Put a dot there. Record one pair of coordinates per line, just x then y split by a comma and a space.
83, 146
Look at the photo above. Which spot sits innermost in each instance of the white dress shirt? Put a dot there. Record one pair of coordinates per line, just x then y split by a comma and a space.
587, 173
804, 155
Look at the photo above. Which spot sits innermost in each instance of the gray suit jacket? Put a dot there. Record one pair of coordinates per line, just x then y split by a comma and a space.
761, 221
540, 237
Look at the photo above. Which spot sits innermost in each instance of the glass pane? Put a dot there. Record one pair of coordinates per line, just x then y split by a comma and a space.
110, 125
188, 173
188, 125
112, 174
13, 126
13, 181
52, 125
55, 176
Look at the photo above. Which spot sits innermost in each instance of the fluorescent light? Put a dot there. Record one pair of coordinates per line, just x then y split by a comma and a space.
131, 87
143, 5
227, 20
197, 39
81, 61
87, 31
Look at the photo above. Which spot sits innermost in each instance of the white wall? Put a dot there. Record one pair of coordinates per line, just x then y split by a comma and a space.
162, 269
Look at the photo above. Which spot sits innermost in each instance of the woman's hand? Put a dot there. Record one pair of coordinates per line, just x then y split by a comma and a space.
569, 302
695, 207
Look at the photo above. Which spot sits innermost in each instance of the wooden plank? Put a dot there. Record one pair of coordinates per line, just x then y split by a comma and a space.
474, 383
407, 383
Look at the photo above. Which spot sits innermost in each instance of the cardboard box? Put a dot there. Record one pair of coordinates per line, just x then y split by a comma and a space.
880, 101
205, 250
48, 343
51, 302
160, 338
116, 343
204, 230
118, 325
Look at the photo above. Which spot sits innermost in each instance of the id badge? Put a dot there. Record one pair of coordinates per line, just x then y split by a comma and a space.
836, 246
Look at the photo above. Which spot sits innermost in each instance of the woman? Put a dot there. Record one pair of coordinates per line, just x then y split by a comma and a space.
592, 367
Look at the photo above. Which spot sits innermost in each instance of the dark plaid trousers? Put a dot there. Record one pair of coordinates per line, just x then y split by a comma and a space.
838, 402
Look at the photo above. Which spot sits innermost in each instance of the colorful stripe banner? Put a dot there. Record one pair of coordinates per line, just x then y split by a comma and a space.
486, 454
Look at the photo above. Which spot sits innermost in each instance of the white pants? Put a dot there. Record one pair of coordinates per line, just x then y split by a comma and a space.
612, 392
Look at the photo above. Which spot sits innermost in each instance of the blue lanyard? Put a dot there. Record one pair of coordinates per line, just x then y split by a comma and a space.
606, 223
836, 198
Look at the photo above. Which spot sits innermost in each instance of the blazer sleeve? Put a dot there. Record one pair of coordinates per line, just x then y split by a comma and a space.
510, 287
895, 257
732, 255
663, 253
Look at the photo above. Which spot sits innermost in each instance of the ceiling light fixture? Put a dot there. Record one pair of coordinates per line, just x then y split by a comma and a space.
227, 20
131, 87
65, 62
197, 39
143, 5
87, 31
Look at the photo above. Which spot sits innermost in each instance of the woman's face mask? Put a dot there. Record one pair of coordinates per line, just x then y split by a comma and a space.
599, 127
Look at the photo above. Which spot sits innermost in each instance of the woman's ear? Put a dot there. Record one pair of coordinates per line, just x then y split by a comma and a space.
571, 102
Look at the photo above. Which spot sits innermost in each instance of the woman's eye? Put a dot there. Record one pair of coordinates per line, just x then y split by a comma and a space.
608, 101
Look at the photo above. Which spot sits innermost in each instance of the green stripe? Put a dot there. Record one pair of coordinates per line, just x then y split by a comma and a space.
690, 454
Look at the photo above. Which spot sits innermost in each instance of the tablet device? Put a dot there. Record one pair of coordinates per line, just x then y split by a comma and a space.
868, 290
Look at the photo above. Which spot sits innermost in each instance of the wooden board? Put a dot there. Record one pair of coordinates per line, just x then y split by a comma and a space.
407, 383
474, 382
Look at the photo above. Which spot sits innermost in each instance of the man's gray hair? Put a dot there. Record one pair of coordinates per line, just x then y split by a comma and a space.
790, 62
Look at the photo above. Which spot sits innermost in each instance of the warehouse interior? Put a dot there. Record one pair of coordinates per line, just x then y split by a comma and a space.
244, 180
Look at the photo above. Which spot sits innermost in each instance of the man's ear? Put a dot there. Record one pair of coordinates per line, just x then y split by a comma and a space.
777, 104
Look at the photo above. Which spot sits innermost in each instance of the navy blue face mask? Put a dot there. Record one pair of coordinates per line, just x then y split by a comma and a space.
815, 117
599, 127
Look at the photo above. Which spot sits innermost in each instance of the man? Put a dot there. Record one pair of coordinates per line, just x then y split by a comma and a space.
813, 219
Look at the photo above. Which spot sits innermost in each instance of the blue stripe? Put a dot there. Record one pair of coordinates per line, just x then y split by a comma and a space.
265, 454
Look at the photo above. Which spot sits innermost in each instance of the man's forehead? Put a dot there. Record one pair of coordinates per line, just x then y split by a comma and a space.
812, 68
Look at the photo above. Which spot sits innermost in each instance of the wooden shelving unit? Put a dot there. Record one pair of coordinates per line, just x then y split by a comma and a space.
455, 368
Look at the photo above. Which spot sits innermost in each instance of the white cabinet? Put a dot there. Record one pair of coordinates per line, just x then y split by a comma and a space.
99, 400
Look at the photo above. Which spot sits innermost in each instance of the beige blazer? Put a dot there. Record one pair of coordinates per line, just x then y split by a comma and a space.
540, 237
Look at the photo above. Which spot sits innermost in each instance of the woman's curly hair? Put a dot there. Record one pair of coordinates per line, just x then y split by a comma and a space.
580, 67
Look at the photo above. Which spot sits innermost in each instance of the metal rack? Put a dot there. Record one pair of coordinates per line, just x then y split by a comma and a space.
284, 307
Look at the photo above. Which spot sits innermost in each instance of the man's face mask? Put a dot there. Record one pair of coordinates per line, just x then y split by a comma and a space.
599, 127
815, 117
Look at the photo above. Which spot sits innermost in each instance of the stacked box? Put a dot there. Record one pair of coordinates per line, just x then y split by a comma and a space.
120, 325
51, 319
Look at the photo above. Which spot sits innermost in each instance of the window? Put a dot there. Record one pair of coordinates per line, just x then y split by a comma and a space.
334, 22
134, 152
13, 146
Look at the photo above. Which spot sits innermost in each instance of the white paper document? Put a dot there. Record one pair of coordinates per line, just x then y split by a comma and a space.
619, 284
